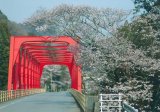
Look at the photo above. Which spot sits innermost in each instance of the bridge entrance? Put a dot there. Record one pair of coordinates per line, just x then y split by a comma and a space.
55, 78
29, 54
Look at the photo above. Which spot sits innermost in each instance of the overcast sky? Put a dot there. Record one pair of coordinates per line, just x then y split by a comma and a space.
19, 10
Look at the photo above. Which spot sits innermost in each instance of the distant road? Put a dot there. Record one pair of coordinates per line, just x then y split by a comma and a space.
45, 102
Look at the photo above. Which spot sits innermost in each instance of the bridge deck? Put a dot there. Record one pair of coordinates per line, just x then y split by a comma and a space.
46, 102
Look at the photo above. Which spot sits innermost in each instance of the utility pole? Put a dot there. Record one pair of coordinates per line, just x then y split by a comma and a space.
51, 79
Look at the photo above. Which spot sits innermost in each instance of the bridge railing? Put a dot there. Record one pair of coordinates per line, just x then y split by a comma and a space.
87, 103
128, 108
13, 94
114, 103
110, 102
106, 103
80, 98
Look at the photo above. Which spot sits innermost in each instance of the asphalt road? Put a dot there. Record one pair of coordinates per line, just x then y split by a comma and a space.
45, 102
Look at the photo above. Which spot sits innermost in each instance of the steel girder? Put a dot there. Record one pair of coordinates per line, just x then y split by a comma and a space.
29, 54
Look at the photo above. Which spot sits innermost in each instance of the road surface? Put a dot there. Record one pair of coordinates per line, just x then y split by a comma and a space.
45, 102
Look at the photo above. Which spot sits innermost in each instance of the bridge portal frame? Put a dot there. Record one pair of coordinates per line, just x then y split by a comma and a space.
26, 62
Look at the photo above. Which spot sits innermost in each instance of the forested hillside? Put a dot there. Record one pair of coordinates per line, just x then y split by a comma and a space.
4, 50
7, 28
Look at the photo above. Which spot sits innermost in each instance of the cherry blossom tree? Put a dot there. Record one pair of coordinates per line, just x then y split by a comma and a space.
109, 54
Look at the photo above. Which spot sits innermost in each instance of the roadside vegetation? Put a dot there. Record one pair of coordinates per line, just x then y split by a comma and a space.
117, 54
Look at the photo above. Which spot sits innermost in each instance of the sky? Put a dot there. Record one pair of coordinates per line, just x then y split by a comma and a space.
20, 10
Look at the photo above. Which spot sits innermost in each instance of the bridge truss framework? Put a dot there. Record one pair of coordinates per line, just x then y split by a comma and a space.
29, 54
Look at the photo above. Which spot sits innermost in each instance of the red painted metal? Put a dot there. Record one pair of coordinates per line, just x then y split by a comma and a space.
29, 54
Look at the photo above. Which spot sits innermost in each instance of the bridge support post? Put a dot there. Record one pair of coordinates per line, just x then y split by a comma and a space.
76, 80
11, 62
22, 69
28, 71
31, 74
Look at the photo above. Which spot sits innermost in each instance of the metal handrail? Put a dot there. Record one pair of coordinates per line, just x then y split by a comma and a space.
13, 94
81, 99
128, 108
109, 99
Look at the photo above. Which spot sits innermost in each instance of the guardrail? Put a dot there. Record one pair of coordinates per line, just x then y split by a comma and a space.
107, 103
110, 102
13, 94
80, 98
128, 108
86, 102
114, 103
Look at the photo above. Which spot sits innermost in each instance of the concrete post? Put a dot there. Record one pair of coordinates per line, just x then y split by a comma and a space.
90, 103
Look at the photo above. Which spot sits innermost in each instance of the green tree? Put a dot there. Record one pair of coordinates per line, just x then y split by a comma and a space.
17, 29
144, 33
146, 5
4, 50
139, 32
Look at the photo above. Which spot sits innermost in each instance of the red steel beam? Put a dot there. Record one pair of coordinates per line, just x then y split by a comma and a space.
28, 55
